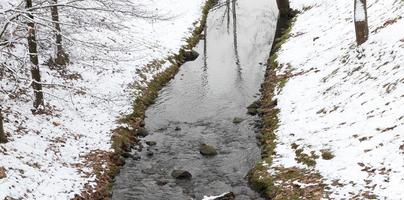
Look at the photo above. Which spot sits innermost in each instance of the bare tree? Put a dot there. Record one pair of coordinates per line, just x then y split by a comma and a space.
284, 7
361, 21
33, 55
36, 26
61, 57
235, 37
3, 138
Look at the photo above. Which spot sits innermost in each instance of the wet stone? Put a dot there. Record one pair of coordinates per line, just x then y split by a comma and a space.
181, 174
237, 120
252, 111
258, 136
253, 108
190, 55
207, 150
142, 132
136, 157
151, 143
162, 182
149, 153
126, 155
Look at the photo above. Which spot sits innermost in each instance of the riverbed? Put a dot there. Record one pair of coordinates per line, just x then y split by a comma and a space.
199, 106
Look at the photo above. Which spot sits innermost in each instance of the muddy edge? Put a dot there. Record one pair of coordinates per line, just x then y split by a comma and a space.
106, 165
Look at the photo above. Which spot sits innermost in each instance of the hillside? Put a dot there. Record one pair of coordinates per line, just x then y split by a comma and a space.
47, 156
341, 106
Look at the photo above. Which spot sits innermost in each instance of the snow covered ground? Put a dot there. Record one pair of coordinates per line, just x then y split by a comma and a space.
45, 156
349, 100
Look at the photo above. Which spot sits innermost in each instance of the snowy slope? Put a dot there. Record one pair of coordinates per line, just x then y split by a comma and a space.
349, 100
45, 157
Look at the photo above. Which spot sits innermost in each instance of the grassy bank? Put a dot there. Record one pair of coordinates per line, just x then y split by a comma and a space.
279, 184
125, 137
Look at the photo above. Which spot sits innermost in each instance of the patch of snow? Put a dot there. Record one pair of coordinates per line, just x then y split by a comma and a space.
349, 100
45, 156
213, 197
360, 13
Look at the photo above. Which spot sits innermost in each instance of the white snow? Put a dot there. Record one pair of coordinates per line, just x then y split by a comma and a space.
360, 14
349, 100
45, 157
213, 197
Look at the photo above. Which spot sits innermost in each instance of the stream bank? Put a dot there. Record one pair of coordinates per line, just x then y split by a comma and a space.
259, 177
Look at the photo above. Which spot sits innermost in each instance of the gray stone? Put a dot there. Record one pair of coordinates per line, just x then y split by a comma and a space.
190, 55
237, 120
207, 150
162, 182
142, 132
181, 174
151, 143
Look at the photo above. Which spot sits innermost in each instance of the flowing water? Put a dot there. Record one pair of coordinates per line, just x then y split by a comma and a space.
202, 101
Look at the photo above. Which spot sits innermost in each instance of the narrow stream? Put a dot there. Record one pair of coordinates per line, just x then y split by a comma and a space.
198, 106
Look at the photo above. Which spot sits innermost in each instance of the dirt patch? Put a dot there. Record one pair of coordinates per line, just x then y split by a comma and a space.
3, 173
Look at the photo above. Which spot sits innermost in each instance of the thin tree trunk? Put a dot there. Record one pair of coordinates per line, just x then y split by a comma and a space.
235, 38
284, 7
61, 56
33, 55
361, 22
228, 15
3, 138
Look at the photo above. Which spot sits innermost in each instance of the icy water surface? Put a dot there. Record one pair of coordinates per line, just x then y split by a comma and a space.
202, 100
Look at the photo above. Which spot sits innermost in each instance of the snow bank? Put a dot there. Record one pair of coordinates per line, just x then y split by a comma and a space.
213, 197
349, 101
45, 157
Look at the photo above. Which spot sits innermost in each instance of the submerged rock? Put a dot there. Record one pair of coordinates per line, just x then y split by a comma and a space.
162, 182
207, 150
181, 174
142, 132
151, 143
237, 120
253, 108
149, 152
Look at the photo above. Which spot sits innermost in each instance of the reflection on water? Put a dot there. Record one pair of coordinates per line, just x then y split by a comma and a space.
199, 105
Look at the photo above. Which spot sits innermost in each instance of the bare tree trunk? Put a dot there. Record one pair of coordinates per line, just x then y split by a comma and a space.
61, 57
3, 138
33, 55
235, 38
284, 7
228, 14
361, 22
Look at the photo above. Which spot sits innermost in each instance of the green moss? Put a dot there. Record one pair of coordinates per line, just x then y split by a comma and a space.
122, 140
327, 155
196, 36
261, 180
282, 82
307, 159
